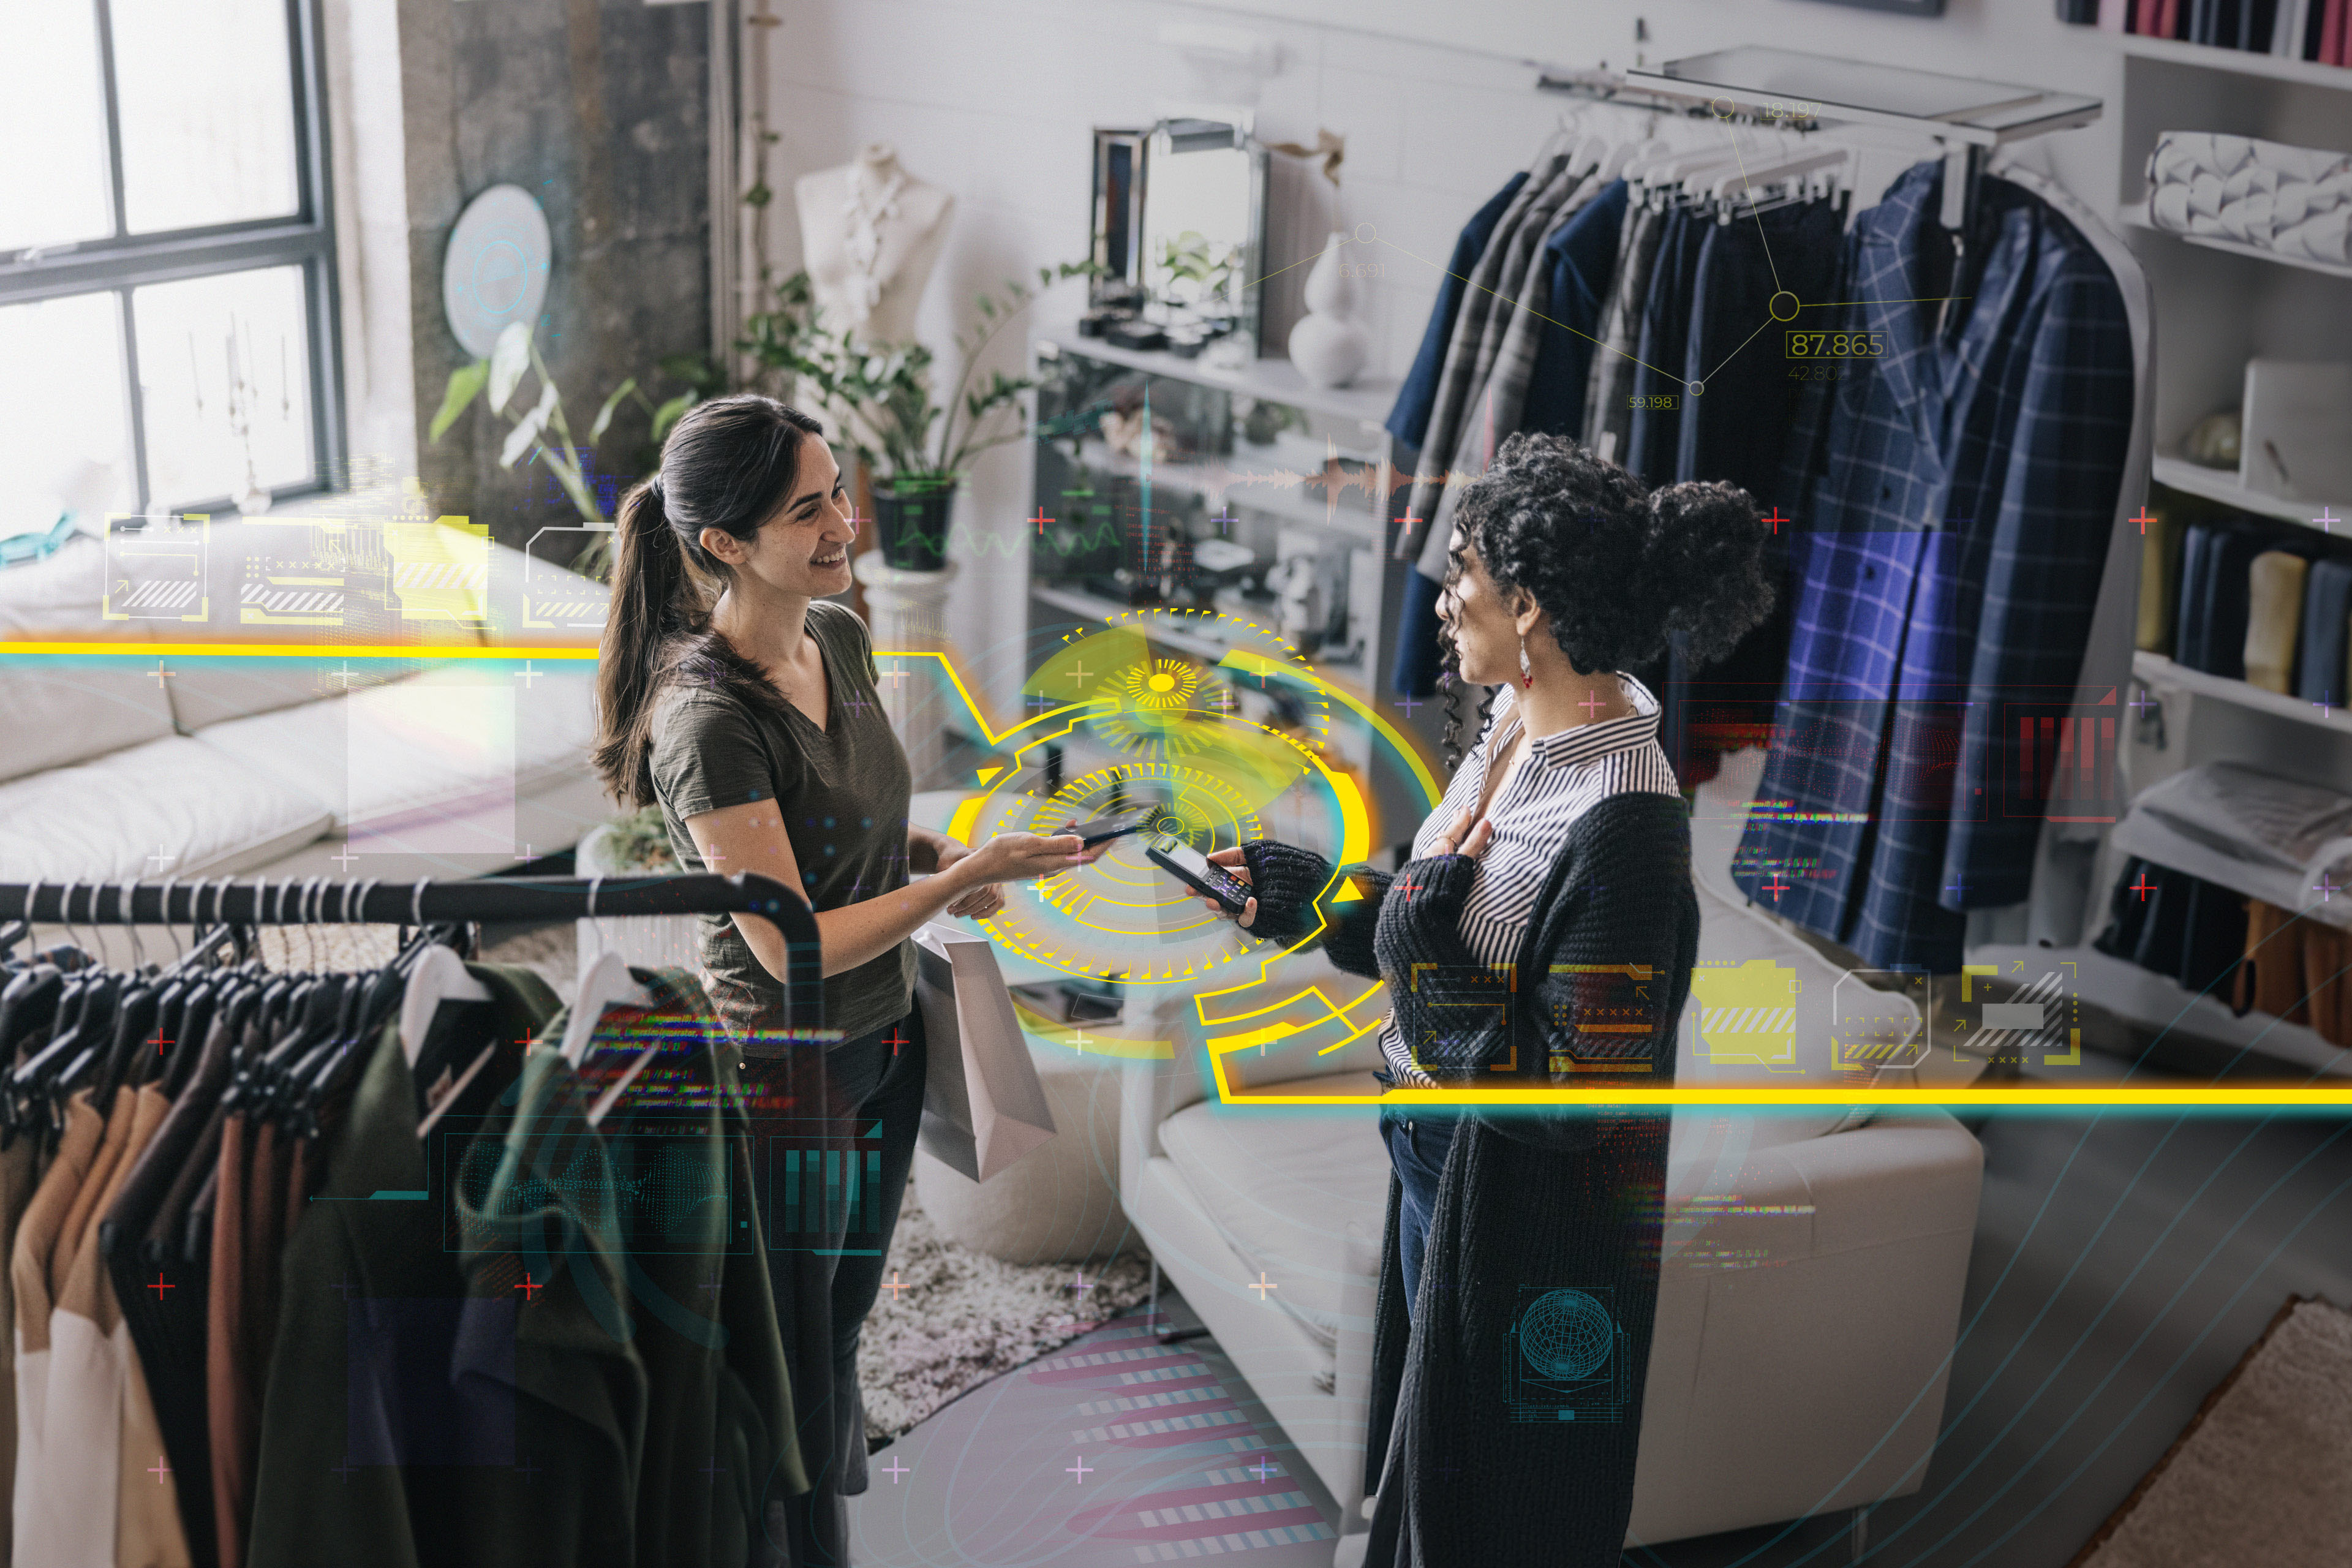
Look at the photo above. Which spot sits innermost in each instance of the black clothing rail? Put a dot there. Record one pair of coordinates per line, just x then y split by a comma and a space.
325, 900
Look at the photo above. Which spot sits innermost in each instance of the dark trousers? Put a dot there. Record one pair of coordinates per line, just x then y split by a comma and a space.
1417, 1144
826, 1259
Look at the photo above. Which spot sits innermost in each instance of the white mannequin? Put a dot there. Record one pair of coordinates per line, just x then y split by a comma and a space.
870, 233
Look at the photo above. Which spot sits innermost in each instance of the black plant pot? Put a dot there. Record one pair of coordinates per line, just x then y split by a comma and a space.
910, 520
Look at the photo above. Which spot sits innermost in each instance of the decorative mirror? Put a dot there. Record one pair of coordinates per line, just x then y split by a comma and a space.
1180, 228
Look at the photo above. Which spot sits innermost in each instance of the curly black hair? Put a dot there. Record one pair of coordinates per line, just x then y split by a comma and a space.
1618, 569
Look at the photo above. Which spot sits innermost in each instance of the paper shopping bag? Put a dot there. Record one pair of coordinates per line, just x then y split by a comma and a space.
983, 1106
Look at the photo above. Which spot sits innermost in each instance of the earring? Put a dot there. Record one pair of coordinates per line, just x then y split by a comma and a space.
1527, 670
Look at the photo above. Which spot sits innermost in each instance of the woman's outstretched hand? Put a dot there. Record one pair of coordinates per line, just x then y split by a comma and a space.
1231, 859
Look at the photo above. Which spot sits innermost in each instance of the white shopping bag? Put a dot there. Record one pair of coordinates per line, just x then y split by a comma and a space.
983, 1105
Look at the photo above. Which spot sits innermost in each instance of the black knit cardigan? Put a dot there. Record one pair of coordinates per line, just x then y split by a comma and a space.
1468, 1452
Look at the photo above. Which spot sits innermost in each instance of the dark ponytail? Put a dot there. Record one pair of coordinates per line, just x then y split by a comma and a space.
728, 465
1616, 568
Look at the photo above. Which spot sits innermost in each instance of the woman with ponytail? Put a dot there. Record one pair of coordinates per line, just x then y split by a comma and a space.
733, 695
1542, 936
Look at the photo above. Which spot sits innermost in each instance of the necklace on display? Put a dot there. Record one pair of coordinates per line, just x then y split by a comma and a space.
865, 244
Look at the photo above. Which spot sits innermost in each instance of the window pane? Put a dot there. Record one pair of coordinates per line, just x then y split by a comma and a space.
223, 371
67, 413
207, 112
53, 98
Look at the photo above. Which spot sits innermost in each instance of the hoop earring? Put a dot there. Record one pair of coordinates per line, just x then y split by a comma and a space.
1526, 668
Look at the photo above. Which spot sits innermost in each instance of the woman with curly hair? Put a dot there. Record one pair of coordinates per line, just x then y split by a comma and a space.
1541, 936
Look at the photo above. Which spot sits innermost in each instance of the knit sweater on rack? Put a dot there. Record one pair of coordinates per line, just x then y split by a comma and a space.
1467, 1469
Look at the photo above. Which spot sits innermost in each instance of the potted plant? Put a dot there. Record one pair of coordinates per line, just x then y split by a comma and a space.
516, 353
879, 397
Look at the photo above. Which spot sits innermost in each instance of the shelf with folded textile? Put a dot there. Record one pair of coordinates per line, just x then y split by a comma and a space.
2161, 672
2136, 214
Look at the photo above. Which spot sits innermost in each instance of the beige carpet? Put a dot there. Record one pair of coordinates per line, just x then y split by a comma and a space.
964, 1317
2261, 1478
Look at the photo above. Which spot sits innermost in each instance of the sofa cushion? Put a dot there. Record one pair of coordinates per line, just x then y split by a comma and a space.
1281, 1186
458, 739
59, 711
170, 807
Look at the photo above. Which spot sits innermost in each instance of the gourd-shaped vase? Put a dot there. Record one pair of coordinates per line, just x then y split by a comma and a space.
1327, 346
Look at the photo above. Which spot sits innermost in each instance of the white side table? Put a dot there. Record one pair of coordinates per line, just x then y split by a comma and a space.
906, 606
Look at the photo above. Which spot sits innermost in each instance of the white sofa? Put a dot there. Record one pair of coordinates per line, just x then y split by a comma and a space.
221, 763
1810, 1297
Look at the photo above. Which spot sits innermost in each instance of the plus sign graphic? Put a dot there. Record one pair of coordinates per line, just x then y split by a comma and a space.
894, 1470
1408, 703
345, 859
529, 1287
2143, 887
159, 1042
1261, 1287
713, 1283
2143, 701
894, 1286
714, 1469
1225, 701
1591, 702
1081, 1470
2326, 888
1263, 1470
1776, 887
1776, 520
859, 704
1083, 1283
527, 675
1076, 672
2143, 520
1223, 520
894, 675
2324, 705
161, 1285
2327, 519
343, 1469
344, 1285
898, 1037
528, 1470
1957, 887
855, 521
1041, 519
159, 1469
160, 675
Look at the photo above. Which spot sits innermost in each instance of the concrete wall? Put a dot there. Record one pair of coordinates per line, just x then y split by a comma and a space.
599, 108
994, 99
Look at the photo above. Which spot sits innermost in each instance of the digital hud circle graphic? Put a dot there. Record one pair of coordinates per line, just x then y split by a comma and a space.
1219, 725
1565, 1336
495, 269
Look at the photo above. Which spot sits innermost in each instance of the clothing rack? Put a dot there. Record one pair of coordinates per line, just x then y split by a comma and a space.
321, 900
1967, 117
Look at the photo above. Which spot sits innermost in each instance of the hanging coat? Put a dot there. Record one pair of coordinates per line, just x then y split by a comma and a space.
1943, 578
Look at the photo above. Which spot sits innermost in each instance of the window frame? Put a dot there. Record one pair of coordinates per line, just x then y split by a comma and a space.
124, 262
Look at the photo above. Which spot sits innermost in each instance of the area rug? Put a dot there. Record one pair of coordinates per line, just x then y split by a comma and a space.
950, 1319
2258, 1477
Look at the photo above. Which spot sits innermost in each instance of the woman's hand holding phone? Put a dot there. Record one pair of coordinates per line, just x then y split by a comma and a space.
1232, 862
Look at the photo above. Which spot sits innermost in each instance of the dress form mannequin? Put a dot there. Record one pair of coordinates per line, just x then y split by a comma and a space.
870, 233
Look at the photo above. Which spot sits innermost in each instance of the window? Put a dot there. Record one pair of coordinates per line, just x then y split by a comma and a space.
166, 258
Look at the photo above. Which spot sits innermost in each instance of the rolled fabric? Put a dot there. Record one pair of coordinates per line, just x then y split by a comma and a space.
2274, 586
2230, 152
2205, 194
2170, 206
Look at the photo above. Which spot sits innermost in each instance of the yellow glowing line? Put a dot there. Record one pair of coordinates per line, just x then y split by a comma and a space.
294, 651
2113, 1096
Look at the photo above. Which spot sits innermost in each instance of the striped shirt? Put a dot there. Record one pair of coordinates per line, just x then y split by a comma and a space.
1563, 776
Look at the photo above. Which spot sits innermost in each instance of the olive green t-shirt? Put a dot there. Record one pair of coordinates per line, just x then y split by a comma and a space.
842, 792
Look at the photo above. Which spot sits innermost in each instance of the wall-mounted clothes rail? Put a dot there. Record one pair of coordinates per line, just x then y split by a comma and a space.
320, 900
1967, 117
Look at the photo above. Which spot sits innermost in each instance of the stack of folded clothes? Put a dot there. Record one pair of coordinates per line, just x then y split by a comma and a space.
2297, 201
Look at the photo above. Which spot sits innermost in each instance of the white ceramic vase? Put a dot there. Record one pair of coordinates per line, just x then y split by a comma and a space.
1326, 345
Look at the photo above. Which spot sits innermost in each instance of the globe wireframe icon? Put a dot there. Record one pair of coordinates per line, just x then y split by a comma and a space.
1566, 1335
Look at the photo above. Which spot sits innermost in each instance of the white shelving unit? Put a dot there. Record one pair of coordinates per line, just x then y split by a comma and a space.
2162, 674
2222, 485
2137, 216
2241, 62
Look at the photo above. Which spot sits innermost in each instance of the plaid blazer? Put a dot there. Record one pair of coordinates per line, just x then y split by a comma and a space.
1610, 379
1518, 329
1947, 565
1460, 375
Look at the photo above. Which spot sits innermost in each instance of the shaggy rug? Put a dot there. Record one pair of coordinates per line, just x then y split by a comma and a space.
2258, 1475
961, 1318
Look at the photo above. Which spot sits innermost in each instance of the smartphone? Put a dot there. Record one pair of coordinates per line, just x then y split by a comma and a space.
1117, 825
1192, 869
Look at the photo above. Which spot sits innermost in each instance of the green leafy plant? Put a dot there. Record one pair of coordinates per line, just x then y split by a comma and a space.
501, 376
1188, 258
879, 395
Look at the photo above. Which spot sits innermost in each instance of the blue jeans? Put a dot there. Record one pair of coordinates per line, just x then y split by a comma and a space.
1417, 1142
